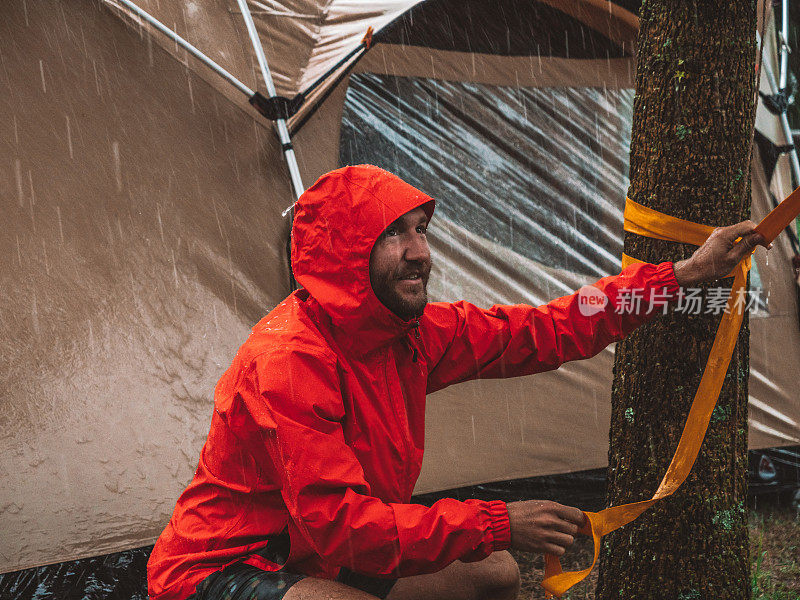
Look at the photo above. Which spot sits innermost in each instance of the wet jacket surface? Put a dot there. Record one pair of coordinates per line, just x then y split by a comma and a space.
318, 424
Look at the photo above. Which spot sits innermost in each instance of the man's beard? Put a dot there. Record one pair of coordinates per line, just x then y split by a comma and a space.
404, 307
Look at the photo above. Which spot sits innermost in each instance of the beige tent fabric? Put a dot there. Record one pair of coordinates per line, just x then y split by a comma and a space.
774, 338
774, 416
525, 71
503, 429
143, 237
319, 35
211, 28
303, 39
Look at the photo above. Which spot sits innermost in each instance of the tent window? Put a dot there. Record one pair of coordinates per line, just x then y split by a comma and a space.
758, 299
542, 171
501, 27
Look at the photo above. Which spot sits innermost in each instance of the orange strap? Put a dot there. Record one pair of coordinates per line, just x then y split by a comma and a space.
367, 39
653, 224
650, 223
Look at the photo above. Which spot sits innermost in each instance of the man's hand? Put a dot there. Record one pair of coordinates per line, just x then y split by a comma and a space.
543, 526
720, 253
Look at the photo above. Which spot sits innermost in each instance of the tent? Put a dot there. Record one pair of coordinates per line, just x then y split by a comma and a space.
144, 197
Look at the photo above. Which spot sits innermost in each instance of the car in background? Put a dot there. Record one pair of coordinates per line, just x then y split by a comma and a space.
775, 472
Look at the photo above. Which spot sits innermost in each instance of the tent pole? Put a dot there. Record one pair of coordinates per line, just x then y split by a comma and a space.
187, 46
280, 124
784, 44
787, 131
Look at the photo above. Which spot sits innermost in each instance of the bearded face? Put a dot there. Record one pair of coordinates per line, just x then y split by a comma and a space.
400, 264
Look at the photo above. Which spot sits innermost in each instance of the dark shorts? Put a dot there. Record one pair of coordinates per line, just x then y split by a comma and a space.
240, 581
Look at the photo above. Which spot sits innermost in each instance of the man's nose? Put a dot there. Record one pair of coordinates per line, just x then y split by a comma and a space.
417, 249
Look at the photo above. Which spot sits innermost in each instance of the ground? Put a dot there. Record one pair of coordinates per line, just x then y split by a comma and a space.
774, 552
774, 543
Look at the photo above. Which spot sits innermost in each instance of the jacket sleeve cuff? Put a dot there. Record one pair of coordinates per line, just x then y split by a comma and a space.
500, 525
651, 276
666, 273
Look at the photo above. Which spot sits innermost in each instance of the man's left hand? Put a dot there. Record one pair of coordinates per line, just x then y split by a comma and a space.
720, 253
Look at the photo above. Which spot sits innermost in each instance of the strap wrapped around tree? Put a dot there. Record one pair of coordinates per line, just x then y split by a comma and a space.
649, 223
690, 158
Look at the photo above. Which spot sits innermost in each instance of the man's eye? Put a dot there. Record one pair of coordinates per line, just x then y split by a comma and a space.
422, 229
390, 231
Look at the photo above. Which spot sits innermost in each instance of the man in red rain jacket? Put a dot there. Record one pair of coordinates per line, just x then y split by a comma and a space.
303, 486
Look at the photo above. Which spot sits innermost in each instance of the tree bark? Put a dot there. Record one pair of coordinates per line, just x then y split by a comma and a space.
690, 151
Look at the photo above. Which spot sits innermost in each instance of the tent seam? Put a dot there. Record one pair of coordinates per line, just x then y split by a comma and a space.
316, 37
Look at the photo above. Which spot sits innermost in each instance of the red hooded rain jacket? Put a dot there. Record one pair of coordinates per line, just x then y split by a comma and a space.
318, 425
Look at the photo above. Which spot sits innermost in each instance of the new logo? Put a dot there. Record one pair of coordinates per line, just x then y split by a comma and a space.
591, 300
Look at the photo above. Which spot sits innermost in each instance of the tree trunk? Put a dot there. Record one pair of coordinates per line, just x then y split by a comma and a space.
690, 150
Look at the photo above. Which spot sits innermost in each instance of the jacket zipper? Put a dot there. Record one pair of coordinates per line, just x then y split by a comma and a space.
401, 411
415, 327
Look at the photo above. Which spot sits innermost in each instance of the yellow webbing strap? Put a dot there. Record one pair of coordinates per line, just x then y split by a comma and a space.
653, 224
650, 223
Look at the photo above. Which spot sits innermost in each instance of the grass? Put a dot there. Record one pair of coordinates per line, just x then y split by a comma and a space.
774, 551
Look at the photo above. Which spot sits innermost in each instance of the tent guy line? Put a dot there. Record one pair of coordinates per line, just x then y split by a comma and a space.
647, 222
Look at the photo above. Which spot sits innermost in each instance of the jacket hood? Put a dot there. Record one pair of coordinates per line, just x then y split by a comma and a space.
336, 223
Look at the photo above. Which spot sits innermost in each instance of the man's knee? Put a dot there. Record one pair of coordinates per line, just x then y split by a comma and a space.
493, 578
312, 588
499, 577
